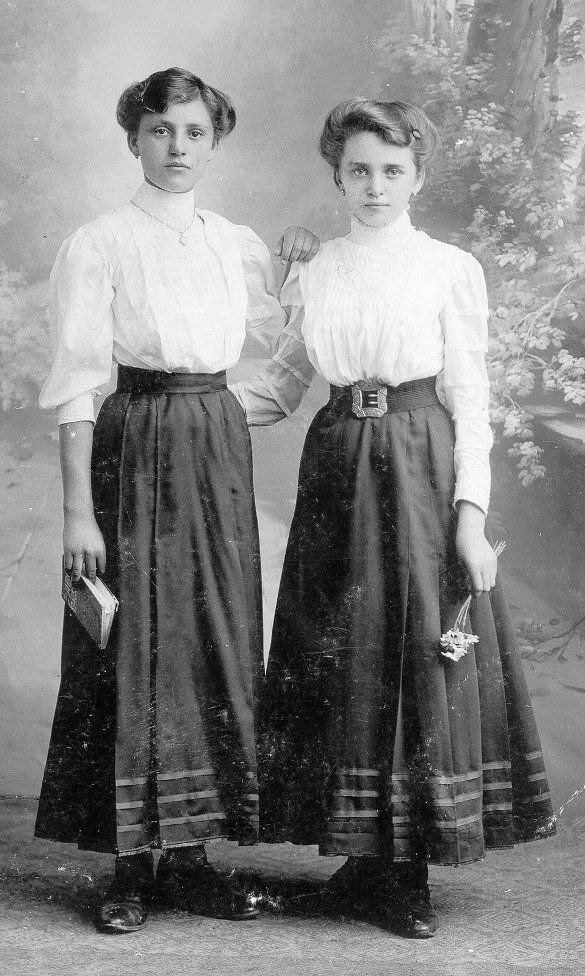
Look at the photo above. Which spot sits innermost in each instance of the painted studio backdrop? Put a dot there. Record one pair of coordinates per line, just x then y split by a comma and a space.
504, 82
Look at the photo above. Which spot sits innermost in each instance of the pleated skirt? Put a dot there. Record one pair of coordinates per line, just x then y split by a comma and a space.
372, 743
153, 741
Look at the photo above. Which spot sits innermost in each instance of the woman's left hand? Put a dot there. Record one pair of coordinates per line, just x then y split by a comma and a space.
297, 244
473, 548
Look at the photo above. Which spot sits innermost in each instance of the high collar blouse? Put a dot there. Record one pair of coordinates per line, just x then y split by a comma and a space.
389, 305
125, 289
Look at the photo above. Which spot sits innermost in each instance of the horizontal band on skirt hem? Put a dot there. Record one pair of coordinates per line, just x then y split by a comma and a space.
106, 848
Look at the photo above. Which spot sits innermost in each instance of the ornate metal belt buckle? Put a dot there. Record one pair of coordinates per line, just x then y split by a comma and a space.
368, 399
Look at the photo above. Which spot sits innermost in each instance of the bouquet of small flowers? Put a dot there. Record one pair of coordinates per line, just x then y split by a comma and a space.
456, 642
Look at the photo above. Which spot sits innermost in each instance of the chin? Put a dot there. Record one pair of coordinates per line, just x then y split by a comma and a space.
378, 218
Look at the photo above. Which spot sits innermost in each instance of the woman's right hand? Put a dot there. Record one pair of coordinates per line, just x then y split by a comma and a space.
297, 244
83, 546
83, 543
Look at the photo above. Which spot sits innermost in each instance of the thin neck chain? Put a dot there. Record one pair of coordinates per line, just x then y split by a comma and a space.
182, 234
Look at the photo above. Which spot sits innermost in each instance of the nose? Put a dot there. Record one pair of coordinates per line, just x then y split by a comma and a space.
177, 145
375, 185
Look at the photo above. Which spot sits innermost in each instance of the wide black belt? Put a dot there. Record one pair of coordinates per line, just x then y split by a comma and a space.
368, 399
135, 380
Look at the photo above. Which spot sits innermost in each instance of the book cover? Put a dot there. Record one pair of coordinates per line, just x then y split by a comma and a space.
93, 604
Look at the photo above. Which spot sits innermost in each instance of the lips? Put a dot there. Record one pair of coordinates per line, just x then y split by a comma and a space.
177, 166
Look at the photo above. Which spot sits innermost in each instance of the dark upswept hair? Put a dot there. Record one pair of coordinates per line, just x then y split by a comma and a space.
397, 123
169, 87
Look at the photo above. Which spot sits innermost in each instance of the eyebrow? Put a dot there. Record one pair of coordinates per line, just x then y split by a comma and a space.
358, 162
163, 120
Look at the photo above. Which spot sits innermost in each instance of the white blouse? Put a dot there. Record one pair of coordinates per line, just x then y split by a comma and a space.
387, 304
125, 289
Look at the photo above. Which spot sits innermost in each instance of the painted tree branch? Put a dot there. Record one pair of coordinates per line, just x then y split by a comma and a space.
15, 564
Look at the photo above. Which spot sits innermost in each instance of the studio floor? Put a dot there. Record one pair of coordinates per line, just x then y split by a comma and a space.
520, 911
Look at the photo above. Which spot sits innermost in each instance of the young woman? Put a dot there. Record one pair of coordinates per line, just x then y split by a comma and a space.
375, 745
153, 742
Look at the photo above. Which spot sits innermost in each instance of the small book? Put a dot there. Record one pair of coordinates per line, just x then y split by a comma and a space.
93, 604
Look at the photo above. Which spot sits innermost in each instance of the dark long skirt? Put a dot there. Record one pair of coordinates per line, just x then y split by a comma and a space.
153, 741
372, 743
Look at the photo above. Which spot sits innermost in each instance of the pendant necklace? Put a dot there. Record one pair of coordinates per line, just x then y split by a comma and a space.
183, 239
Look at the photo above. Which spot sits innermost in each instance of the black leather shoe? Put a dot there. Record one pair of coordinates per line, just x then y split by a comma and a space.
123, 907
121, 911
413, 918
398, 899
196, 888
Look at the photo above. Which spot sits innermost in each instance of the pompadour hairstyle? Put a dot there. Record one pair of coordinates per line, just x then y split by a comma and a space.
398, 123
169, 87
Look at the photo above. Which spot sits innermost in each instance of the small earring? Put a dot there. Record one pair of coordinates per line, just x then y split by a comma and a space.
342, 191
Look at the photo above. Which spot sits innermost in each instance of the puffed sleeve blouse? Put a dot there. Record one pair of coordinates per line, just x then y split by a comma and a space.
126, 290
390, 305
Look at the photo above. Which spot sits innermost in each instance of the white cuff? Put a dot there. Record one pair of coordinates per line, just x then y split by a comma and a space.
468, 490
80, 408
